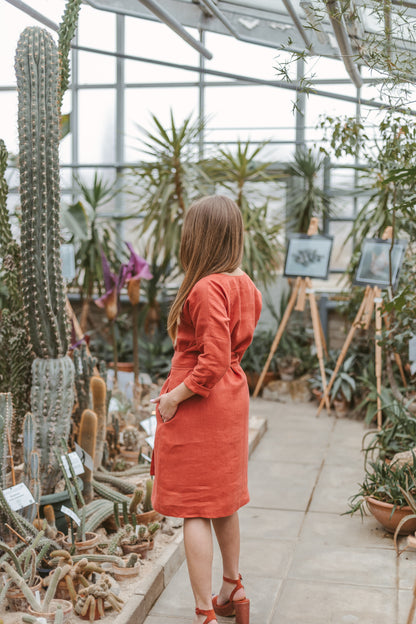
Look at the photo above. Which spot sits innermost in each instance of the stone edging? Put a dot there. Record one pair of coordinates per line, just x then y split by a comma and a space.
148, 589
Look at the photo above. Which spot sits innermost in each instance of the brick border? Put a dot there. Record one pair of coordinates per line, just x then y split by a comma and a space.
148, 589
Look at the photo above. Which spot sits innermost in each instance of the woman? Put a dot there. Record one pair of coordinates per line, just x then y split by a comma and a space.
201, 448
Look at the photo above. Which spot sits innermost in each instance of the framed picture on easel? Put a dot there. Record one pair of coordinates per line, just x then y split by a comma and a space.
374, 266
308, 256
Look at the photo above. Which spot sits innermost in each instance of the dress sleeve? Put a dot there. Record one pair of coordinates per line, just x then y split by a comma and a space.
208, 310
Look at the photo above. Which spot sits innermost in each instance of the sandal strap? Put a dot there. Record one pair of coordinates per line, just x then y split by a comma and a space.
210, 613
238, 585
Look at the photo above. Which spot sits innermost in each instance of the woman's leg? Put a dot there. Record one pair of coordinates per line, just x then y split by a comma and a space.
227, 531
198, 550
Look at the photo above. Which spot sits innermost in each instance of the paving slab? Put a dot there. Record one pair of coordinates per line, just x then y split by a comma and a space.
309, 602
302, 561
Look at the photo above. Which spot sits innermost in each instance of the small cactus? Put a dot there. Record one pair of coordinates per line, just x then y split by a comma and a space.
147, 503
87, 440
99, 406
131, 438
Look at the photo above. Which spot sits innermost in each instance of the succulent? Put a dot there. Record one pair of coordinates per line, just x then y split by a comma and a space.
131, 438
99, 406
87, 440
84, 365
6, 414
52, 395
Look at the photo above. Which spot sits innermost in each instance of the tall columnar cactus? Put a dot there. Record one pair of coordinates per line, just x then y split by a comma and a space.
84, 370
16, 360
66, 32
37, 76
52, 395
6, 411
86, 439
99, 406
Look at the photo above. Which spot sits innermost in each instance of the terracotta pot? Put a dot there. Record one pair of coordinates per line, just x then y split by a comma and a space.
141, 518
121, 574
252, 379
141, 548
97, 615
16, 599
382, 512
83, 548
123, 367
341, 408
50, 617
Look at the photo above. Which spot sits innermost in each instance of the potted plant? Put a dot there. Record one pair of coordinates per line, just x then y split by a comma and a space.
343, 388
397, 434
130, 539
255, 357
385, 491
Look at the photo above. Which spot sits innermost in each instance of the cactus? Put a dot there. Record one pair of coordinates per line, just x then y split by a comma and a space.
98, 517
87, 439
34, 484
22, 585
99, 391
147, 503
16, 360
132, 560
106, 492
43, 291
28, 445
84, 365
123, 486
136, 499
66, 32
6, 414
131, 438
52, 400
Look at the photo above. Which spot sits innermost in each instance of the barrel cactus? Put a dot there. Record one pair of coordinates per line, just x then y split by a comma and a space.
52, 395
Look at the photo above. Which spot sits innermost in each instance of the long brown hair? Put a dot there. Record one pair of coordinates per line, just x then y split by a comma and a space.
212, 242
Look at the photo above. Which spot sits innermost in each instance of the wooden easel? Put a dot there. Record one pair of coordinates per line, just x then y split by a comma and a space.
302, 288
371, 300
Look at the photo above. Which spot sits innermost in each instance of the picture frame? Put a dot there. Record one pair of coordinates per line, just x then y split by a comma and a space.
308, 256
373, 267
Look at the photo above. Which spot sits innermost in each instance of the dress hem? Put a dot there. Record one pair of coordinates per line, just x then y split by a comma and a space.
173, 513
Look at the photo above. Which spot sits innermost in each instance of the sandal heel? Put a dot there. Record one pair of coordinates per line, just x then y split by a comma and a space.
242, 611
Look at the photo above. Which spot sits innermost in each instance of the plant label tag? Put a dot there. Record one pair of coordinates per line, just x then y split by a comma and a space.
71, 513
149, 425
151, 441
37, 596
146, 457
76, 463
18, 496
113, 406
85, 458
412, 354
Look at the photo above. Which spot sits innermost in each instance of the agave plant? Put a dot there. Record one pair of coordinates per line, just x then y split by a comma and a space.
241, 174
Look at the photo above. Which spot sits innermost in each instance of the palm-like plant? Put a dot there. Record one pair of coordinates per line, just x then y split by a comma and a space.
92, 234
241, 174
164, 184
305, 197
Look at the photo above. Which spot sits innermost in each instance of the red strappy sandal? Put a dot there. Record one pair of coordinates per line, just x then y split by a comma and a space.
210, 613
239, 608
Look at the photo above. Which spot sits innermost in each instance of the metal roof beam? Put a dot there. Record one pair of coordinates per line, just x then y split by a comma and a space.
298, 23
22, 6
343, 40
176, 26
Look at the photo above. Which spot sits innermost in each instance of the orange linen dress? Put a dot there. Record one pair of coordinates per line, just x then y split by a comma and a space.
200, 456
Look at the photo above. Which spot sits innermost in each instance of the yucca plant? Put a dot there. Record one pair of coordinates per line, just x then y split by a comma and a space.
163, 184
397, 434
305, 198
92, 233
247, 177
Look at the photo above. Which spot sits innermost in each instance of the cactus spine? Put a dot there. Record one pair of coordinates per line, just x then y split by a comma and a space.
87, 439
99, 392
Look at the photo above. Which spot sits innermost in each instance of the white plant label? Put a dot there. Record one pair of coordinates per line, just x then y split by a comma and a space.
149, 425
71, 513
85, 458
151, 441
146, 457
37, 596
113, 406
18, 496
412, 354
76, 464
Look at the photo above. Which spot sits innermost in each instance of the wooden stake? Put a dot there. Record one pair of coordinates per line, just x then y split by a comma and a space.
378, 302
317, 336
16, 533
279, 335
343, 353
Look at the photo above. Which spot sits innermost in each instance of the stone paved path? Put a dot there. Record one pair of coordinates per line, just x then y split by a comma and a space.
303, 562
